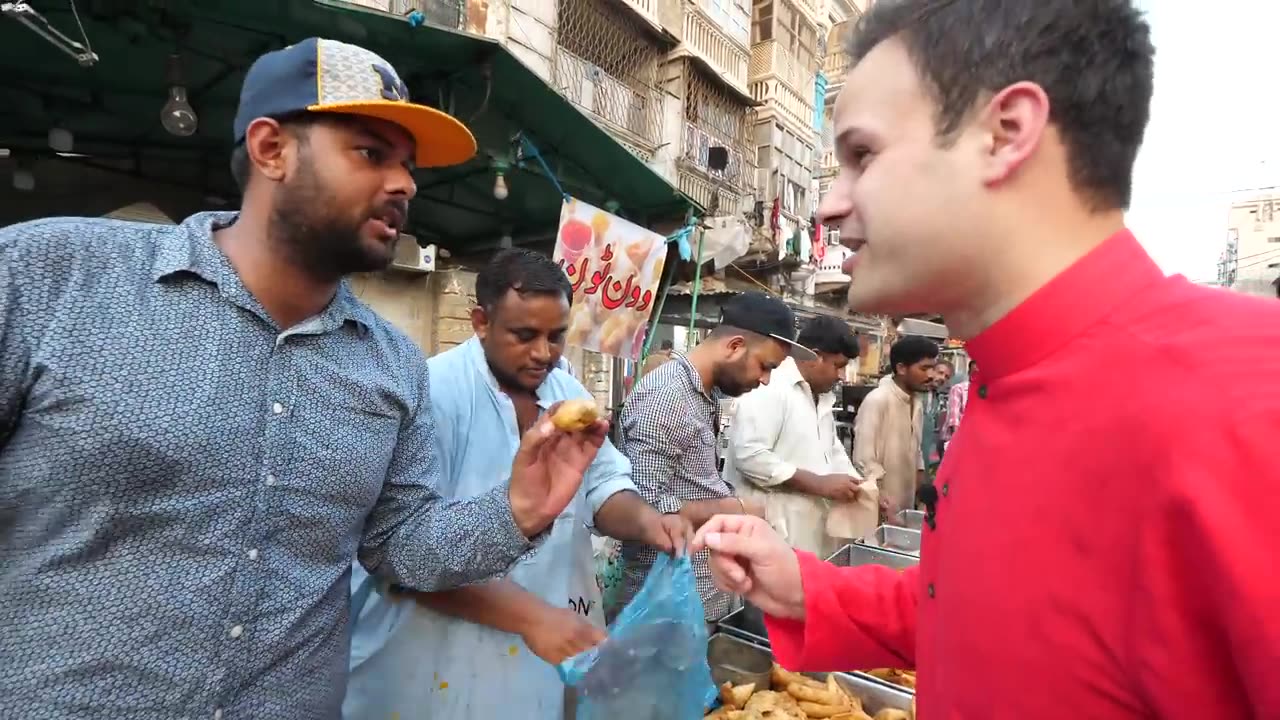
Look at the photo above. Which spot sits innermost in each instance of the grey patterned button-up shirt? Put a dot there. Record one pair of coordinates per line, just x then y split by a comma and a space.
183, 484
669, 428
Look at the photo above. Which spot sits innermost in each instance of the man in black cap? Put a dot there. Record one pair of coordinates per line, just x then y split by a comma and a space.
670, 423
201, 427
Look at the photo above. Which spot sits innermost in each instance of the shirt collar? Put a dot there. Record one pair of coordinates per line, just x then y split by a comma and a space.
902, 395
480, 365
1068, 305
194, 252
690, 373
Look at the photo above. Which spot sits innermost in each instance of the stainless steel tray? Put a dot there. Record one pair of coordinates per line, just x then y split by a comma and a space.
911, 519
875, 694
737, 661
748, 622
897, 539
860, 554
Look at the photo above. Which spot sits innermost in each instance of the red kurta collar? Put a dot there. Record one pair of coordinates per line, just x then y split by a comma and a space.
1069, 304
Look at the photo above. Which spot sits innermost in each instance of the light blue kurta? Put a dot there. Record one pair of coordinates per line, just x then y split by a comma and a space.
408, 662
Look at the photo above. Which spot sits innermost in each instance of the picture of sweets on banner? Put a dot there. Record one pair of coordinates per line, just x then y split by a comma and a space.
615, 267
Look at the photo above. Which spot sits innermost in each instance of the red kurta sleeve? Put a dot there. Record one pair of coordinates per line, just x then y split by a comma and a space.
1207, 602
855, 618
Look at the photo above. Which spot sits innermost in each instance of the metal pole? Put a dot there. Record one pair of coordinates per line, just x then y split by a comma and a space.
697, 283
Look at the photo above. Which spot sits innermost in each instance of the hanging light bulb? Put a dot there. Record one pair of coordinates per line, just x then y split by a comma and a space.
500, 190
177, 116
23, 179
61, 140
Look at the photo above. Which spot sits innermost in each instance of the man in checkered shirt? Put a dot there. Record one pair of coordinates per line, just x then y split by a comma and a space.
670, 422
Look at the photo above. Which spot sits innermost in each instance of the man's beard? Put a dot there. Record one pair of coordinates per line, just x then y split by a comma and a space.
726, 381
323, 242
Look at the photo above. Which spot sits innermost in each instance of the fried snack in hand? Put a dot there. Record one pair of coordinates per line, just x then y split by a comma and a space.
575, 415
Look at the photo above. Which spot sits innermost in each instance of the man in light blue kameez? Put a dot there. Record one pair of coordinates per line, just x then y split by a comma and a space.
486, 651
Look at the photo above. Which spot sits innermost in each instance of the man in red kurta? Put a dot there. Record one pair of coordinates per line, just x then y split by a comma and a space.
1102, 546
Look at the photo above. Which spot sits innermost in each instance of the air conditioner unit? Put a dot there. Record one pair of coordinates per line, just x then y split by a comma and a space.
412, 257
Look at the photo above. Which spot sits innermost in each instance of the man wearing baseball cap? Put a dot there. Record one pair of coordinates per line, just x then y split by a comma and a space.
201, 426
671, 422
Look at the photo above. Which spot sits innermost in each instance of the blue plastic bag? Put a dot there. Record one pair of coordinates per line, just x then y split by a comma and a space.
654, 664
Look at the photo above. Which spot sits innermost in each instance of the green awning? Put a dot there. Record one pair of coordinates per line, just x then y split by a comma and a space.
114, 109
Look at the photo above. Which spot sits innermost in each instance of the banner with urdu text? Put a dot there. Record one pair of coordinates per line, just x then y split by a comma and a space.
615, 267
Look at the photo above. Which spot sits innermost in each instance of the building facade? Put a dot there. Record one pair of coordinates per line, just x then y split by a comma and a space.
1251, 261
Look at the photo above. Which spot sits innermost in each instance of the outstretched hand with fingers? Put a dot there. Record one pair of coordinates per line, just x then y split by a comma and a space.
749, 558
548, 470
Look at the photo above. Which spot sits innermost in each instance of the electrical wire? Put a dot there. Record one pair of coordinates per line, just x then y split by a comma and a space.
83, 35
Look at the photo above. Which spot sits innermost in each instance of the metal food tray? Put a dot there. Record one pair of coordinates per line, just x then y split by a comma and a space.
874, 693
911, 519
896, 539
862, 554
748, 622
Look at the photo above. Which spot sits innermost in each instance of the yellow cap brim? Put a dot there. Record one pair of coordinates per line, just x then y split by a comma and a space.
442, 139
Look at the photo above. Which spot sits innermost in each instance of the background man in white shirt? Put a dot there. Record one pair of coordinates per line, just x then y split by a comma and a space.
783, 447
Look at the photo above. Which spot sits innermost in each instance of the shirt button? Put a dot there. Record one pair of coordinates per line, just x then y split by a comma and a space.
238, 630
277, 408
271, 480
945, 488
930, 589
253, 553
982, 391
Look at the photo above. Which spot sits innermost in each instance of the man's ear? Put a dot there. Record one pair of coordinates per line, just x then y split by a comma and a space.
269, 147
1015, 120
480, 322
734, 345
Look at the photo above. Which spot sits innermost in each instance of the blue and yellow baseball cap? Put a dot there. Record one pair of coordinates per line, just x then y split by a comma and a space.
318, 75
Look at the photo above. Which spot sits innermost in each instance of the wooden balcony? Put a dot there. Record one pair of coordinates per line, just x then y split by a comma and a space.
713, 45
771, 59
779, 97
836, 65
697, 186
662, 15
731, 18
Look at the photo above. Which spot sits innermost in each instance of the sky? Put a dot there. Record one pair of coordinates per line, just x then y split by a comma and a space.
1215, 128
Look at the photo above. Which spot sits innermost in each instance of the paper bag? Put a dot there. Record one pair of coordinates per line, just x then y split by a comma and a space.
858, 519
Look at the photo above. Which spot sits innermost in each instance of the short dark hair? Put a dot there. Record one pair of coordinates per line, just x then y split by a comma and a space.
1093, 58
524, 271
950, 365
826, 334
240, 167
725, 330
667, 345
972, 364
911, 350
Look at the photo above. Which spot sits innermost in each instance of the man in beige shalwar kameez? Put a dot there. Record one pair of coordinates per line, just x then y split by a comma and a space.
887, 429
783, 448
